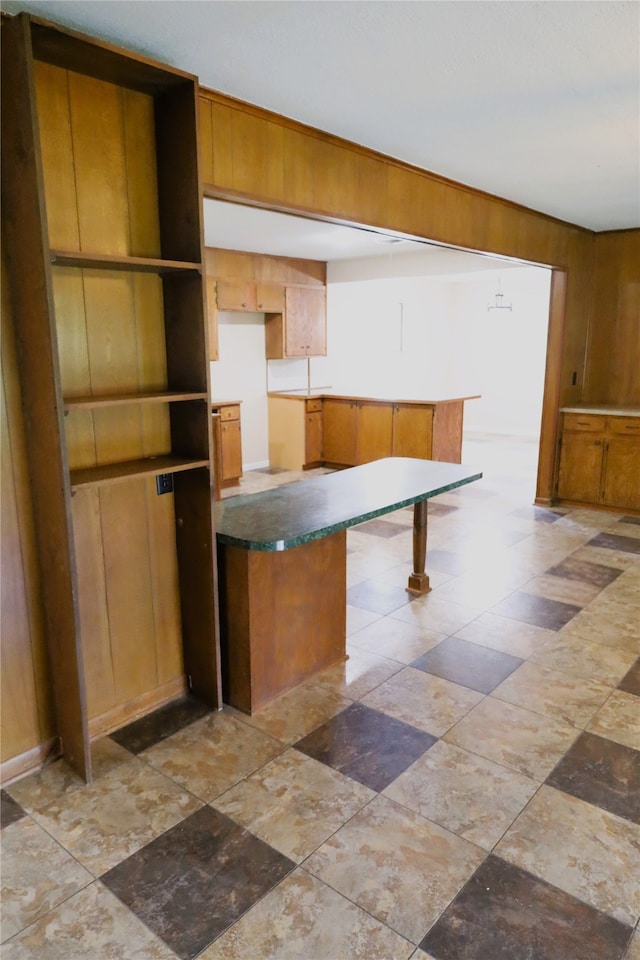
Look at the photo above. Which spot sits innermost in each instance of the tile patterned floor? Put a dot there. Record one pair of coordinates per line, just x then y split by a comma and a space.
466, 786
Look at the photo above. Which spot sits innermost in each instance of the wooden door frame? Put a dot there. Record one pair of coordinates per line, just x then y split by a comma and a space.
547, 446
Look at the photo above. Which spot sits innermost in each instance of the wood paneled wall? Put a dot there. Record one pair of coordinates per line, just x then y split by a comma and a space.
258, 157
613, 346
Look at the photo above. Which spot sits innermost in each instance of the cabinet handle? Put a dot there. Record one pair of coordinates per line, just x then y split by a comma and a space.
597, 442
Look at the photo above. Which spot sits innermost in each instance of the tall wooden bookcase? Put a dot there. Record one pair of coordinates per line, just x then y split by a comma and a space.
102, 214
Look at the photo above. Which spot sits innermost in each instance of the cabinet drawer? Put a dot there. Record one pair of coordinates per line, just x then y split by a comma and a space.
231, 412
584, 422
314, 406
626, 425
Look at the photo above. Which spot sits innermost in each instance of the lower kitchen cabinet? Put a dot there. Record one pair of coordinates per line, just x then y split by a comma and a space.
339, 420
600, 460
227, 444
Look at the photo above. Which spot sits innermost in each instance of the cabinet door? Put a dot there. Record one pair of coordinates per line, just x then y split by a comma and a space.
580, 467
412, 431
236, 295
316, 321
621, 482
339, 432
375, 424
269, 297
212, 319
313, 437
305, 322
231, 450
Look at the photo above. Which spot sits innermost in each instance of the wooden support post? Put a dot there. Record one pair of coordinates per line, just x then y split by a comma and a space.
418, 580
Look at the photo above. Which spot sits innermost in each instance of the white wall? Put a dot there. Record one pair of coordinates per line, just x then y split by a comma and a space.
241, 374
433, 337
427, 336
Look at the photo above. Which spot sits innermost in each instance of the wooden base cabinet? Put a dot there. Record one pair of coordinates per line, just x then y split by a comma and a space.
102, 215
347, 431
228, 444
600, 460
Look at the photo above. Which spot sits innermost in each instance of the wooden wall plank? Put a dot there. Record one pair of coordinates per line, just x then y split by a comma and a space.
52, 91
92, 602
163, 567
125, 538
99, 153
141, 174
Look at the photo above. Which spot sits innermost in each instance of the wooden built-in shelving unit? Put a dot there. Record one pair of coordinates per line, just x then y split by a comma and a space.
103, 212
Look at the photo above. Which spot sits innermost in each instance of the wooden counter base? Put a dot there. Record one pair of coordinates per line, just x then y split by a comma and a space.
286, 613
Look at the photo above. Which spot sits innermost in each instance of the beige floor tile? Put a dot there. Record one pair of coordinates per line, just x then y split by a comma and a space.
358, 675
580, 848
560, 588
37, 875
396, 865
304, 918
438, 615
422, 700
57, 779
611, 623
553, 693
619, 719
583, 658
357, 619
297, 713
469, 795
517, 738
509, 636
396, 640
294, 803
478, 590
609, 558
633, 950
213, 754
110, 819
92, 925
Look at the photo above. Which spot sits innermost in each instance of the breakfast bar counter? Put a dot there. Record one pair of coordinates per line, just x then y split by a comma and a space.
282, 568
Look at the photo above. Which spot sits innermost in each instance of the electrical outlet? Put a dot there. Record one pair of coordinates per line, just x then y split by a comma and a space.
164, 483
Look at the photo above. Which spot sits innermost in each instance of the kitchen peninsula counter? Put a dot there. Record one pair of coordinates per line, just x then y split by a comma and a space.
325, 427
282, 568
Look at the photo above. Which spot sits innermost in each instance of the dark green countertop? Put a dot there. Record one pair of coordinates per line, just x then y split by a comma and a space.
306, 510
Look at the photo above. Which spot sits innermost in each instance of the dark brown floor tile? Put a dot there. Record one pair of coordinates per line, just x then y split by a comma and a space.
270, 471
596, 574
438, 509
197, 879
157, 726
473, 493
612, 541
366, 745
629, 520
505, 913
10, 810
445, 562
601, 772
540, 514
383, 528
538, 611
378, 597
630, 683
469, 664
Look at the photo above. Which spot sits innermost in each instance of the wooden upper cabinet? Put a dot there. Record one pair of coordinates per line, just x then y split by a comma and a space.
236, 295
212, 319
269, 297
301, 331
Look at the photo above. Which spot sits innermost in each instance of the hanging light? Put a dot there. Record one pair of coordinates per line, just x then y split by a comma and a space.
499, 305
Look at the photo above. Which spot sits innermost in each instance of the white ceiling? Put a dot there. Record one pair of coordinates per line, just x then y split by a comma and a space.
537, 101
